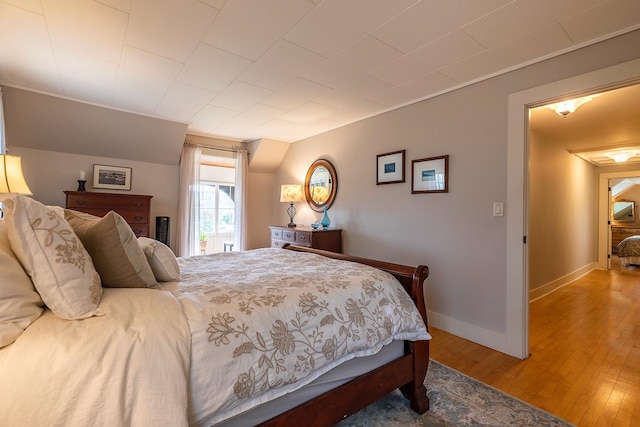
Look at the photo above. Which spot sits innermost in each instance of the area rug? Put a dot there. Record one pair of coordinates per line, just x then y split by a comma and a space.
455, 400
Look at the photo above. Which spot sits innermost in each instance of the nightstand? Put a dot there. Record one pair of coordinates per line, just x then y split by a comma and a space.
328, 240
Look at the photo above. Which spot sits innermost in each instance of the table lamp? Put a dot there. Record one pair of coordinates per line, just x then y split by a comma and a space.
291, 193
11, 177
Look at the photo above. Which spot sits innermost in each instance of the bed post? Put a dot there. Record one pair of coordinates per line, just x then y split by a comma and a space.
416, 391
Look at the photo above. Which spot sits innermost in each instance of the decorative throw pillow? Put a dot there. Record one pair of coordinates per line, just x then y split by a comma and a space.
161, 258
20, 304
50, 252
114, 249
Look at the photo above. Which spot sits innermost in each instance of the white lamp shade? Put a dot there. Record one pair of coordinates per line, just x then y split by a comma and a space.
11, 177
320, 194
291, 193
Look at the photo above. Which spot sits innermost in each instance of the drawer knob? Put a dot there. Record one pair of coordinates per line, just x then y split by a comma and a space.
81, 201
138, 203
138, 217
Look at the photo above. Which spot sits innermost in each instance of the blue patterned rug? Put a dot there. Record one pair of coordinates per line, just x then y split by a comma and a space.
455, 400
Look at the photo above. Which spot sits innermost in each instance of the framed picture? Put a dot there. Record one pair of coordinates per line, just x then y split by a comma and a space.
430, 175
111, 177
390, 167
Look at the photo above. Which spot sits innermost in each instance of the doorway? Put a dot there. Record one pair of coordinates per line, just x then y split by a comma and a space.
517, 329
604, 214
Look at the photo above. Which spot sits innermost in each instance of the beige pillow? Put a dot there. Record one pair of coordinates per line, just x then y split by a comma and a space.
20, 304
51, 253
161, 258
114, 249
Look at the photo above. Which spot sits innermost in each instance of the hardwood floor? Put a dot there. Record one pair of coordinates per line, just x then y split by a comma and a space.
585, 352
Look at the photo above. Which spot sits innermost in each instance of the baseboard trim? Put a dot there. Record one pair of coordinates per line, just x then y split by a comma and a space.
492, 339
556, 284
468, 331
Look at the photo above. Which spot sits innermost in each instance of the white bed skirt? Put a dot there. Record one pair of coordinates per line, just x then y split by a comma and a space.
626, 261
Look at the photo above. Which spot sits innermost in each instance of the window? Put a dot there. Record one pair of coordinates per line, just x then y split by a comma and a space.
217, 204
217, 208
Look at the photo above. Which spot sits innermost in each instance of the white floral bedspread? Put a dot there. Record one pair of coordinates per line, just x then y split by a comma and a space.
629, 246
266, 322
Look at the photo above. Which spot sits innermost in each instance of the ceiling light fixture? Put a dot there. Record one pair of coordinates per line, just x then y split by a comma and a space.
565, 108
621, 156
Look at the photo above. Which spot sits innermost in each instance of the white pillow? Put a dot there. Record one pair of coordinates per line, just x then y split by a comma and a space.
51, 253
20, 304
114, 249
161, 258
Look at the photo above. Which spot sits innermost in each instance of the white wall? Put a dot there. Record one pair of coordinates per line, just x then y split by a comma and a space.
562, 212
454, 234
262, 202
49, 173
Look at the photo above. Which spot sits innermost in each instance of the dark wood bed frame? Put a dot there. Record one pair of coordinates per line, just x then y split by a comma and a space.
406, 373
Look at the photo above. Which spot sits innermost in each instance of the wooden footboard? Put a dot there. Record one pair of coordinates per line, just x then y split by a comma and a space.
406, 373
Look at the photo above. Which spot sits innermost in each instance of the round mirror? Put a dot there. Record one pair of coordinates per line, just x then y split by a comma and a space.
321, 185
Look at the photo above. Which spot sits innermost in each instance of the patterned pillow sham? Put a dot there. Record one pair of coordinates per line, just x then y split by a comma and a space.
20, 304
161, 258
50, 252
114, 249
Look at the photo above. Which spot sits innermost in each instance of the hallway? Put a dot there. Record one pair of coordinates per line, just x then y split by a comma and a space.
585, 352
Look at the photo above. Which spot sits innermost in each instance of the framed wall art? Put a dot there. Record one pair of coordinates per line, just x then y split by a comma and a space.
430, 175
111, 177
390, 167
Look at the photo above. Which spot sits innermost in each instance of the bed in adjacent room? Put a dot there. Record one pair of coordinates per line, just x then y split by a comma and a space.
98, 327
628, 250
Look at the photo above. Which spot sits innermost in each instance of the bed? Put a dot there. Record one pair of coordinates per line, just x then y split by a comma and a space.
628, 250
261, 337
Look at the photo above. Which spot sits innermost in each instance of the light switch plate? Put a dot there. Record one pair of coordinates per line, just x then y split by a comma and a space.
498, 209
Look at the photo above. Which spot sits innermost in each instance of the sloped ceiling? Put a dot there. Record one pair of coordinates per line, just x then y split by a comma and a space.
51, 123
282, 69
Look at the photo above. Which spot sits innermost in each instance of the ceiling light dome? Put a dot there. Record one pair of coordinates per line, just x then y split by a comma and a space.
565, 108
621, 156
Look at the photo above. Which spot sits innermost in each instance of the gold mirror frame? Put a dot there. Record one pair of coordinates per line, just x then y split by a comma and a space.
315, 204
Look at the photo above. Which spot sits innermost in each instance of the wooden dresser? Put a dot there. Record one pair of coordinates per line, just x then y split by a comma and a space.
134, 208
328, 240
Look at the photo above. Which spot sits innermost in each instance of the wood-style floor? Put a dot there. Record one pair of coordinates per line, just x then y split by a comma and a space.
585, 353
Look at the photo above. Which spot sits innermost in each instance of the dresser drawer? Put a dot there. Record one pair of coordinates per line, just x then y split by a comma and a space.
289, 236
133, 217
303, 238
135, 209
140, 230
278, 243
328, 240
114, 202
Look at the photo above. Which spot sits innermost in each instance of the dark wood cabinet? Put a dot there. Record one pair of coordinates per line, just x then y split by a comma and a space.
328, 240
134, 208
